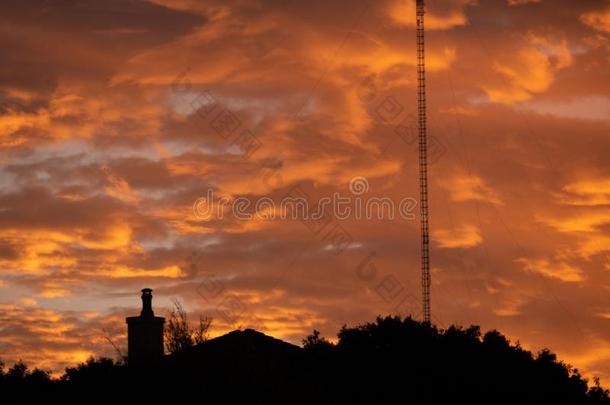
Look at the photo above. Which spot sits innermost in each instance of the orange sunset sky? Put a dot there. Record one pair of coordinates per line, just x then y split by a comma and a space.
107, 142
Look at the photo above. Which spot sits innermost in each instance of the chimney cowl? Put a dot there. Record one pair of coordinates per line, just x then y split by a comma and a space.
147, 303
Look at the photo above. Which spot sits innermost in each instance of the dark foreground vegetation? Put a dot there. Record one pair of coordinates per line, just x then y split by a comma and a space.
392, 359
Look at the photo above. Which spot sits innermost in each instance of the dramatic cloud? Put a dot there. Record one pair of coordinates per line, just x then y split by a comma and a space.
466, 236
117, 118
599, 20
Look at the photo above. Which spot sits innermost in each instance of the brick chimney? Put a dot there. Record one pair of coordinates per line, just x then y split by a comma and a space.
145, 334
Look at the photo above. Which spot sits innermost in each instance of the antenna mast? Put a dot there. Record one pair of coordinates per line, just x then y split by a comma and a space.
423, 161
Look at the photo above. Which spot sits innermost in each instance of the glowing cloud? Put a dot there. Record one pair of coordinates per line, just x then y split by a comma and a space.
531, 70
461, 237
403, 11
560, 271
598, 20
469, 188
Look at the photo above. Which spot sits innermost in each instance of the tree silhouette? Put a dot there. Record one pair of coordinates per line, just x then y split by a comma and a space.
19, 378
179, 334
315, 342
389, 360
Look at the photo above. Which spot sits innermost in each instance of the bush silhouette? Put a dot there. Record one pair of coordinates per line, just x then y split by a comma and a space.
390, 359
178, 332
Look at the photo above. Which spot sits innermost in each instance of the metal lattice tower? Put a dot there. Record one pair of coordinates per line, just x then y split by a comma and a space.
423, 161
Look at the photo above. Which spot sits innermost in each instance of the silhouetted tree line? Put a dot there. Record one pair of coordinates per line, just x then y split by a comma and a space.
391, 359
